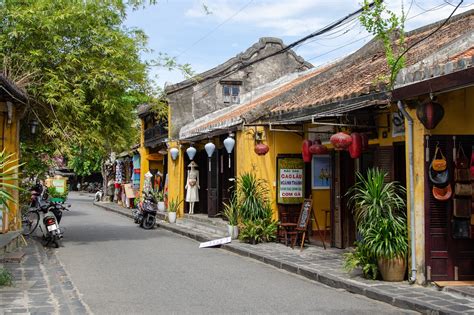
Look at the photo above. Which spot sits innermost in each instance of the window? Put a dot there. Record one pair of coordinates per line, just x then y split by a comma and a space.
231, 93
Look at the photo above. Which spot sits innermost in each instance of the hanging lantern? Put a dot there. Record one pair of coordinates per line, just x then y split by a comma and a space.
229, 143
355, 149
209, 147
261, 148
341, 141
317, 148
365, 141
430, 113
305, 151
191, 151
174, 152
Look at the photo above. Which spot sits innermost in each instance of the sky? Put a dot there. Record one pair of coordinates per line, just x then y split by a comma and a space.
206, 33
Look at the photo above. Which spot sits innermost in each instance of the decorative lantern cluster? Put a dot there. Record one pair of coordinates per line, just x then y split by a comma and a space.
341, 141
312, 148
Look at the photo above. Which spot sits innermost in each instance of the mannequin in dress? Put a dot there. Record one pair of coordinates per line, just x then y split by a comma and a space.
192, 186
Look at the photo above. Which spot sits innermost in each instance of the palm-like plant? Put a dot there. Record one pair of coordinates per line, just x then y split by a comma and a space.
252, 196
231, 210
8, 166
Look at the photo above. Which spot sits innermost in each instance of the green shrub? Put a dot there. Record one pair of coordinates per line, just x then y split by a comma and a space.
362, 257
6, 278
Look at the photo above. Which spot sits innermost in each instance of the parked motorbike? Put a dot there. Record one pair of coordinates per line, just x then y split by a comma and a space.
145, 215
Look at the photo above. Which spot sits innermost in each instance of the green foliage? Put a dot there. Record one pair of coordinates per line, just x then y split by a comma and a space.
80, 65
252, 197
6, 278
362, 257
231, 210
85, 161
157, 195
389, 28
53, 193
8, 168
35, 156
379, 212
259, 230
173, 205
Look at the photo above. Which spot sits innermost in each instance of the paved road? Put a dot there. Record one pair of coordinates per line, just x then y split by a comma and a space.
119, 268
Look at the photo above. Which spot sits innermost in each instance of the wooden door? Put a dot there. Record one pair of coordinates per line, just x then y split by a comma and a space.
213, 184
226, 175
201, 206
336, 213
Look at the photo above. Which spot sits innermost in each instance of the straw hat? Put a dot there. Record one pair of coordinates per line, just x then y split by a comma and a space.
193, 164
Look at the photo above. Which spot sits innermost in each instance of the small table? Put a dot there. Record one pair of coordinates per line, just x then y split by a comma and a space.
288, 229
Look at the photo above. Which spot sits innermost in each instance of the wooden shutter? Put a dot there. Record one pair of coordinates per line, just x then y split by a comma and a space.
384, 161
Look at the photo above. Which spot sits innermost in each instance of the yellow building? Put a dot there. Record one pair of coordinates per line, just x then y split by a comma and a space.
12, 106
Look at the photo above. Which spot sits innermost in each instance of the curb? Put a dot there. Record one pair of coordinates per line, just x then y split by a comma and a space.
326, 279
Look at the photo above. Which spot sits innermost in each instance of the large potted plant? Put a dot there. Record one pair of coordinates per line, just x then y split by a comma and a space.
379, 212
8, 168
231, 212
173, 206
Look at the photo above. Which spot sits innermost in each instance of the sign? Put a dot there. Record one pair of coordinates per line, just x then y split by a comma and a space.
212, 243
305, 213
129, 192
290, 172
60, 185
321, 172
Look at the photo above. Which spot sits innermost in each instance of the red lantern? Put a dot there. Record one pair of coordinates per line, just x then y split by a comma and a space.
317, 148
365, 141
430, 114
341, 141
355, 149
261, 148
305, 151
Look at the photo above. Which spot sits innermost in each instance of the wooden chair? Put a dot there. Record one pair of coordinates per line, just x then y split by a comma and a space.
288, 216
302, 224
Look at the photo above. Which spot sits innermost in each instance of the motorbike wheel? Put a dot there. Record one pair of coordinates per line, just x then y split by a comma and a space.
148, 222
29, 222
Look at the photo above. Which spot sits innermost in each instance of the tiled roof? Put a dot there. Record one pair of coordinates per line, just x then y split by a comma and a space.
352, 77
13, 90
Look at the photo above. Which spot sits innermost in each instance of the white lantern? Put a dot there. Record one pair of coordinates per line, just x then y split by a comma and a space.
174, 153
209, 147
191, 151
229, 143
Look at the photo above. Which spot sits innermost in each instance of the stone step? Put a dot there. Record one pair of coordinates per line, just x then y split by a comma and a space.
10, 242
14, 257
202, 226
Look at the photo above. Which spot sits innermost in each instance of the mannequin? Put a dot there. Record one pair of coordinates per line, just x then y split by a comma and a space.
192, 186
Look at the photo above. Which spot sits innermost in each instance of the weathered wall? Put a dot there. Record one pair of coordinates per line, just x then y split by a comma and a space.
206, 96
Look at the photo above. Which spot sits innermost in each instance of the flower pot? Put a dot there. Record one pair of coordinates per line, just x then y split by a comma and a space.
161, 206
236, 231
233, 231
392, 269
172, 217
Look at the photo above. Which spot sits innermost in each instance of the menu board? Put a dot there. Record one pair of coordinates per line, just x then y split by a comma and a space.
290, 182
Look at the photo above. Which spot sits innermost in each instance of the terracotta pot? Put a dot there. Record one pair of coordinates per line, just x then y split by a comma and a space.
355, 149
317, 148
341, 141
392, 269
305, 151
261, 148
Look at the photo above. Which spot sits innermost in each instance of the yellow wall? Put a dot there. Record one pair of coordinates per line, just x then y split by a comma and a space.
144, 163
458, 120
11, 145
176, 177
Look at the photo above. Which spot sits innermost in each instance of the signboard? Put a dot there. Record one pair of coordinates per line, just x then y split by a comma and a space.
219, 241
305, 213
60, 185
290, 181
321, 172
129, 192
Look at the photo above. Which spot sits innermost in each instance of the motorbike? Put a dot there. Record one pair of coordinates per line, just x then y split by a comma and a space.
145, 215
46, 215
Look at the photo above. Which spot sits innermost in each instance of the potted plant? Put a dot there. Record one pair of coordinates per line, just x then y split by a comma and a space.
160, 199
173, 206
8, 169
231, 212
379, 212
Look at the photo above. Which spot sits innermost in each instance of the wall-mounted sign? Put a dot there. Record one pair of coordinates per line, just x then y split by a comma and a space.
290, 172
321, 172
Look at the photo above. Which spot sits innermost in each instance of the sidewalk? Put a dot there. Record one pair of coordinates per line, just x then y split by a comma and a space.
40, 285
325, 266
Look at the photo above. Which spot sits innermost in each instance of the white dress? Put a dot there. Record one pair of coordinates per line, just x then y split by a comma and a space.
192, 191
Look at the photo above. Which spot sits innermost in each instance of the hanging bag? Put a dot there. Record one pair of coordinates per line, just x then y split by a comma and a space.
462, 175
472, 164
461, 159
462, 208
464, 190
439, 164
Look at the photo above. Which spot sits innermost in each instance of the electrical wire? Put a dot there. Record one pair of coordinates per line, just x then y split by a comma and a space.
422, 39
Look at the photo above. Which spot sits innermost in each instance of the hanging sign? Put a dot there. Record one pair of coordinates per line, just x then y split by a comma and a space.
290, 172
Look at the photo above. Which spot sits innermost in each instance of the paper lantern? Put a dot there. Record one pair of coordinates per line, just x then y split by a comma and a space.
430, 114
355, 149
365, 141
191, 151
305, 151
317, 148
261, 148
229, 143
174, 152
341, 141
209, 147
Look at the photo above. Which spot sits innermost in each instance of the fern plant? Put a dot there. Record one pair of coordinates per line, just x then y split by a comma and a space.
8, 168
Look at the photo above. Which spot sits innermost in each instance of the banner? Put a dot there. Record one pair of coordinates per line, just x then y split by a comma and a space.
290, 188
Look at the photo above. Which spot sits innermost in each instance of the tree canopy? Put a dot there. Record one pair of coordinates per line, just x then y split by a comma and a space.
82, 68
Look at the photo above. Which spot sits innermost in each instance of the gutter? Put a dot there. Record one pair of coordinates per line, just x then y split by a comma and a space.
412, 189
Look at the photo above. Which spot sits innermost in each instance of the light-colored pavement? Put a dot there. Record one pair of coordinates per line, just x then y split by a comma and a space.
120, 268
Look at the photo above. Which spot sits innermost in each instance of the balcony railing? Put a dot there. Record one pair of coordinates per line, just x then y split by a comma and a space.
155, 135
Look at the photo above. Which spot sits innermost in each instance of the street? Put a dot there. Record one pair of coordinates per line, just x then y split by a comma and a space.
119, 268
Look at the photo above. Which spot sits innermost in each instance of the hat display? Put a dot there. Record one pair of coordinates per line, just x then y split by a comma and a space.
193, 164
442, 193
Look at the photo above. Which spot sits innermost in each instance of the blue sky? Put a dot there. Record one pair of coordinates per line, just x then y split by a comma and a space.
205, 39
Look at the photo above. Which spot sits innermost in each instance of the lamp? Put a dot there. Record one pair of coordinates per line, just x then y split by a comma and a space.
33, 125
229, 143
191, 151
209, 147
174, 153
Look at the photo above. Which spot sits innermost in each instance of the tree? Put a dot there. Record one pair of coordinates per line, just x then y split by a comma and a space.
81, 67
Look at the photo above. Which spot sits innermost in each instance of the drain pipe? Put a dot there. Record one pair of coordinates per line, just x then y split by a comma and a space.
412, 189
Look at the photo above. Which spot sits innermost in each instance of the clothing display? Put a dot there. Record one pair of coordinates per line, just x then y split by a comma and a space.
192, 186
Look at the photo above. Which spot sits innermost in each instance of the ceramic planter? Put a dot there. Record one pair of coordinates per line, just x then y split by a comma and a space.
233, 231
392, 269
236, 231
161, 206
172, 217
